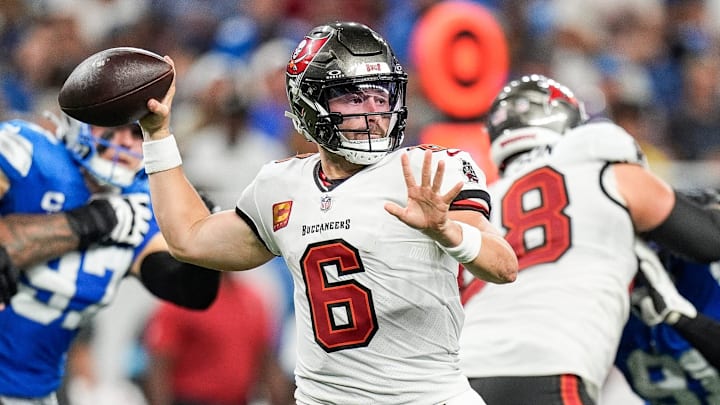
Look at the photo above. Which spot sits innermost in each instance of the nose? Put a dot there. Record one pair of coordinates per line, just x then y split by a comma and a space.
373, 105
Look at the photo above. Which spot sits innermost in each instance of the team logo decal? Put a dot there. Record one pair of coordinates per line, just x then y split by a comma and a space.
281, 214
469, 172
304, 54
325, 203
561, 93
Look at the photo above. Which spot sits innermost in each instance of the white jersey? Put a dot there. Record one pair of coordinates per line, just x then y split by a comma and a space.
573, 235
377, 303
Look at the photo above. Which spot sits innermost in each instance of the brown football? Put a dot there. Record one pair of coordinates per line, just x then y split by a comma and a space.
112, 87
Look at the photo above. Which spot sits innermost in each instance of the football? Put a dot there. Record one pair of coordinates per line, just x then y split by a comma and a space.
112, 87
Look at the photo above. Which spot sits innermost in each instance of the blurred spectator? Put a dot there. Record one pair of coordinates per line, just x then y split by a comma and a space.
221, 152
222, 356
694, 123
629, 93
82, 385
96, 20
40, 62
267, 100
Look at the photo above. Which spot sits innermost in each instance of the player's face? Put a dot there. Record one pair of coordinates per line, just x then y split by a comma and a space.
360, 102
129, 140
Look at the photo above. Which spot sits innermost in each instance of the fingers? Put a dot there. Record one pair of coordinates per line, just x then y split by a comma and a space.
167, 100
450, 196
161, 108
425, 173
439, 174
394, 209
407, 171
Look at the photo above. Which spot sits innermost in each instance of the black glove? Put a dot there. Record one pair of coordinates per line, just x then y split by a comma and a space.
112, 219
8, 277
93, 222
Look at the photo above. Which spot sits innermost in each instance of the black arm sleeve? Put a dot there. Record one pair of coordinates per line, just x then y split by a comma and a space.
183, 284
703, 333
690, 231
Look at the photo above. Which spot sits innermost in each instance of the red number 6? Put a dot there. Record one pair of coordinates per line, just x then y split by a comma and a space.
342, 312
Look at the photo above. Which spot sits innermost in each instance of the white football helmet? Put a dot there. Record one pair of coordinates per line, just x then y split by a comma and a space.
530, 112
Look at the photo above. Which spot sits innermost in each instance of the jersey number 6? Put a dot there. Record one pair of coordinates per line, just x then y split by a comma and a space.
342, 312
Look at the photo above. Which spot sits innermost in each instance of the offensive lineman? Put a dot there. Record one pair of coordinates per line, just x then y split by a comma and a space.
571, 198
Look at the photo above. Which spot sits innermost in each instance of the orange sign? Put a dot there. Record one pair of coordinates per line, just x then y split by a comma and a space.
461, 55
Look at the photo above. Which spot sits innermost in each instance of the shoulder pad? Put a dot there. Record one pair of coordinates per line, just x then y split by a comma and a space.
600, 141
16, 146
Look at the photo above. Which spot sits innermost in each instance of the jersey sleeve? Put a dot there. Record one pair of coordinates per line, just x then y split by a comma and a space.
474, 195
250, 208
459, 167
16, 152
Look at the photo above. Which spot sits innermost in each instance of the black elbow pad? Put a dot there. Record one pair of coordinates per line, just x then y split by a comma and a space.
691, 231
183, 284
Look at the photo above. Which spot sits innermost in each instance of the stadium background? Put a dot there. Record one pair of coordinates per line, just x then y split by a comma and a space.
651, 65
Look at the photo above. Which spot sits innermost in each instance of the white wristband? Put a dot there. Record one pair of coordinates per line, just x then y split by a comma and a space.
469, 247
161, 155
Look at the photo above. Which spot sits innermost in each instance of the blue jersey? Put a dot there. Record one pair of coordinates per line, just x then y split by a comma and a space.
661, 366
55, 298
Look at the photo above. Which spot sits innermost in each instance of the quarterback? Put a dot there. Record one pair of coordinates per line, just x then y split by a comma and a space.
371, 233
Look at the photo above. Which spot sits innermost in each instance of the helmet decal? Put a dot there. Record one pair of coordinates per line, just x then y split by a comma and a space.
304, 54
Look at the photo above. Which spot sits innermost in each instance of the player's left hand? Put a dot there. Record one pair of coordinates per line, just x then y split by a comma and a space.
427, 209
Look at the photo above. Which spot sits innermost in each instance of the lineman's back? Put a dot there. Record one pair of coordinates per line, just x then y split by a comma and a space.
573, 236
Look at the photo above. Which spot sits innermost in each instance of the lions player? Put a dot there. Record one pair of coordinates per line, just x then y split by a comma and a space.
669, 350
373, 253
570, 199
42, 174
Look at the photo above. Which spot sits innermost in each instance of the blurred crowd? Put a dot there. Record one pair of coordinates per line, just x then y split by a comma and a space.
653, 66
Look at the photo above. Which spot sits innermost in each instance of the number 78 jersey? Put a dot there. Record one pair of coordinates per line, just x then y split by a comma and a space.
560, 210
377, 303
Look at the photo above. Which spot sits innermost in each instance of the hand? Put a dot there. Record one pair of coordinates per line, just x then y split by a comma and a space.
427, 209
657, 300
133, 216
156, 125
